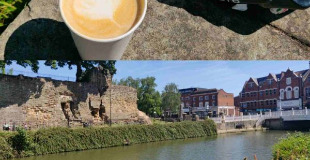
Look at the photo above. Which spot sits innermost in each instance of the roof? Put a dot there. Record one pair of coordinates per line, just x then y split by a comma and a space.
278, 76
197, 90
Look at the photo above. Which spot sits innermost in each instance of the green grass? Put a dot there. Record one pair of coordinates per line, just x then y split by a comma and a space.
9, 9
294, 147
56, 140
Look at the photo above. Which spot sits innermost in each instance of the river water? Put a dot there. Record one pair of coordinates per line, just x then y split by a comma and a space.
234, 146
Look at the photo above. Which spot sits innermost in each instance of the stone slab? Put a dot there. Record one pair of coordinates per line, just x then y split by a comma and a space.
172, 29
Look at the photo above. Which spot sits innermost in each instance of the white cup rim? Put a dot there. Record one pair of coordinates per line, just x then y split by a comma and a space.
107, 39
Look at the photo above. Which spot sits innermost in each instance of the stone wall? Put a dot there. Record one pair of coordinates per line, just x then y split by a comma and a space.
234, 125
41, 102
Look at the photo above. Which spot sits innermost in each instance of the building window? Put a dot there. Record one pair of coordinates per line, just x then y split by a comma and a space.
275, 102
251, 85
242, 95
200, 104
274, 91
187, 98
194, 104
206, 97
194, 98
262, 103
261, 93
296, 92
308, 93
213, 103
213, 96
269, 81
247, 94
207, 105
288, 92
288, 81
281, 93
267, 102
267, 92
270, 92
201, 98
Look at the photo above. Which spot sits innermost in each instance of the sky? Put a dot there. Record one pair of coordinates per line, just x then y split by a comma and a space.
227, 75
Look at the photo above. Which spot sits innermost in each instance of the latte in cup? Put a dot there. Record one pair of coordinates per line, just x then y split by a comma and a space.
101, 19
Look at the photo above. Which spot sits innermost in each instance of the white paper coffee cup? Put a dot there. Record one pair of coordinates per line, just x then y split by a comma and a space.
103, 49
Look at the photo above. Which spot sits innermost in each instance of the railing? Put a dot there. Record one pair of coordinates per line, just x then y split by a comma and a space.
268, 115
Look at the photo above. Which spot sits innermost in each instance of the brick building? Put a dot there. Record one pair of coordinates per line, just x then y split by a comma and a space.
284, 91
207, 101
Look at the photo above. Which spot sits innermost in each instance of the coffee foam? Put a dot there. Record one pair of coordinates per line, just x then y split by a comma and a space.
96, 9
101, 18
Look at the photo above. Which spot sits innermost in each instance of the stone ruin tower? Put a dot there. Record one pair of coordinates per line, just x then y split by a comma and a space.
44, 102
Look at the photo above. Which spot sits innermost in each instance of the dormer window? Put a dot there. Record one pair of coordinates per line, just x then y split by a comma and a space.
288, 81
270, 81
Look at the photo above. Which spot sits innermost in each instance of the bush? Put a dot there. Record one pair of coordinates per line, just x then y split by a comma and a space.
57, 140
21, 142
294, 146
6, 150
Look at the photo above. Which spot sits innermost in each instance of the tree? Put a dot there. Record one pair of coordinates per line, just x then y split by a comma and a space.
83, 67
171, 98
149, 100
34, 64
131, 82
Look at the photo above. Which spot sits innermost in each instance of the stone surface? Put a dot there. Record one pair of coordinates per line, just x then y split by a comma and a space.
172, 29
43, 102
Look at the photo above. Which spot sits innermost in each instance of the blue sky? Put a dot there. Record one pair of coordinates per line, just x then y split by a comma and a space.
227, 75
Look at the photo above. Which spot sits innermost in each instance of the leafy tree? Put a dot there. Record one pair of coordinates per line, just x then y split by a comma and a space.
83, 67
34, 64
149, 100
171, 98
131, 82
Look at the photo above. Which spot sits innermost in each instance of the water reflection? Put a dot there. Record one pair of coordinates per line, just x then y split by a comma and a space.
222, 147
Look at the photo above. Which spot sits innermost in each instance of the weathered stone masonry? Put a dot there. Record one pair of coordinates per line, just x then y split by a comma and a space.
41, 102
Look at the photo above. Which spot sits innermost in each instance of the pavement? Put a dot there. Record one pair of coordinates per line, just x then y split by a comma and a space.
172, 30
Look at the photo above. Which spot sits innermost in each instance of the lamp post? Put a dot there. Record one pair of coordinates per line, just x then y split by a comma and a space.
111, 103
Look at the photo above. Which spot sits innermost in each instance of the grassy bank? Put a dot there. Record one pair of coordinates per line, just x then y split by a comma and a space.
295, 146
9, 9
56, 140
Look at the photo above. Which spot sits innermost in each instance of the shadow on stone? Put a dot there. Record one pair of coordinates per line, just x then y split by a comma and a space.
41, 39
221, 14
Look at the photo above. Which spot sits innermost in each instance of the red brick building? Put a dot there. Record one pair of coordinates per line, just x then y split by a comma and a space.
284, 91
203, 101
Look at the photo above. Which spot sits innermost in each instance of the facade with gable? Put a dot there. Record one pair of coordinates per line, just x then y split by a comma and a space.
282, 91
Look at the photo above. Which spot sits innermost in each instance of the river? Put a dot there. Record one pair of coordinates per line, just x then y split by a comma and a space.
233, 146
